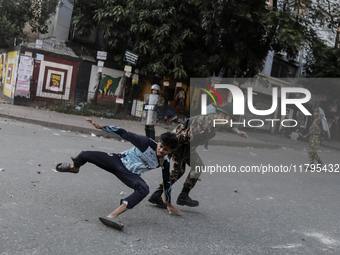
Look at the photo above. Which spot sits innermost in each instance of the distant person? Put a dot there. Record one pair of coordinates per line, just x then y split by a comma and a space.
151, 114
210, 109
179, 100
314, 134
127, 166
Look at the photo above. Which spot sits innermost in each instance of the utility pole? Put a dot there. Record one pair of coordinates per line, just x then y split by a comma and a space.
131, 58
97, 89
337, 38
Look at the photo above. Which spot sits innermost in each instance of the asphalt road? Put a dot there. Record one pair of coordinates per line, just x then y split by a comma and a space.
45, 212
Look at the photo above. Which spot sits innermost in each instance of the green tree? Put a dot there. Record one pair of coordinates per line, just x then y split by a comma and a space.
243, 32
165, 34
322, 62
83, 15
237, 35
322, 71
192, 38
16, 14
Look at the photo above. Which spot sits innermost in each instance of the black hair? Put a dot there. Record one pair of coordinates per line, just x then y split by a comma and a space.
169, 139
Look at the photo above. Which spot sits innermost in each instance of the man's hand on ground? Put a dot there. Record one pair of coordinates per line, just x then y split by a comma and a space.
171, 208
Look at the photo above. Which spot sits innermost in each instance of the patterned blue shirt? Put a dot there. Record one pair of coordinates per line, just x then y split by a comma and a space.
143, 156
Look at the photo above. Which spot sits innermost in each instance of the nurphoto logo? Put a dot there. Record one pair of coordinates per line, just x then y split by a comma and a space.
239, 104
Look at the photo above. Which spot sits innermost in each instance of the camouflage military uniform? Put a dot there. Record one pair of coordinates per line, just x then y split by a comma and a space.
314, 140
201, 129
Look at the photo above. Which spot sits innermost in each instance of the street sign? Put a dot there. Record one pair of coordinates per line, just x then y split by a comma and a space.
119, 100
39, 43
101, 55
131, 57
128, 69
135, 78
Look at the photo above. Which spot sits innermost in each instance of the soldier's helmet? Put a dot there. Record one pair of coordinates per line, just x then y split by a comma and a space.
156, 87
227, 108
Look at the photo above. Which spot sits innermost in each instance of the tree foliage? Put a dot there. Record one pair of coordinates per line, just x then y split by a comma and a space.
16, 14
323, 60
237, 33
83, 15
243, 32
324, 64
165, 34
197, 37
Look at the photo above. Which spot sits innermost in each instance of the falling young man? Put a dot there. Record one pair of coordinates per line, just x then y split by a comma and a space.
127, 166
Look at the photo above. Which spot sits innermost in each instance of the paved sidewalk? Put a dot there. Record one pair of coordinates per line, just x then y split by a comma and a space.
75, 123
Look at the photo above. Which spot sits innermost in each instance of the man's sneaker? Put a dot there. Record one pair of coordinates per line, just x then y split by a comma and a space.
156, 198
184, 199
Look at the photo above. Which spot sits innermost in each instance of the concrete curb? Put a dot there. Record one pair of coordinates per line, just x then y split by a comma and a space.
244, 144
59, 126
330, 146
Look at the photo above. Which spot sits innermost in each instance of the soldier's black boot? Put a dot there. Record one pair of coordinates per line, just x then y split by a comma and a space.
184, 199
311, 166
147, 133
156, 198
320, 162
152, 132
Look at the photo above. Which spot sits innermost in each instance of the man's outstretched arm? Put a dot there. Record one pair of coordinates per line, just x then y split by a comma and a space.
242, 134
95, 124
238, 132
141, 142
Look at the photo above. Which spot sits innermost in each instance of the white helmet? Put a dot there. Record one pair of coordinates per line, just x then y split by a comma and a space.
156, 87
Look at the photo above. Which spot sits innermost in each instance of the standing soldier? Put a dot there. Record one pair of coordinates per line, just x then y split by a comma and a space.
201, 129
314, 139
150, 111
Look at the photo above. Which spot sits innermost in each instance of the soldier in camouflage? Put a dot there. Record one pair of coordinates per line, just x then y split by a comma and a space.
314, 139
200, 130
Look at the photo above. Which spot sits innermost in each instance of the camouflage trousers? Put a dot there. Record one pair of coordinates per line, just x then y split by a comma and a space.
314, 142
192, 159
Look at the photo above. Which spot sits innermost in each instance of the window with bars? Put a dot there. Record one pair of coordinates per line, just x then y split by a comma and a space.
83, 38
51, 6
282, 69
